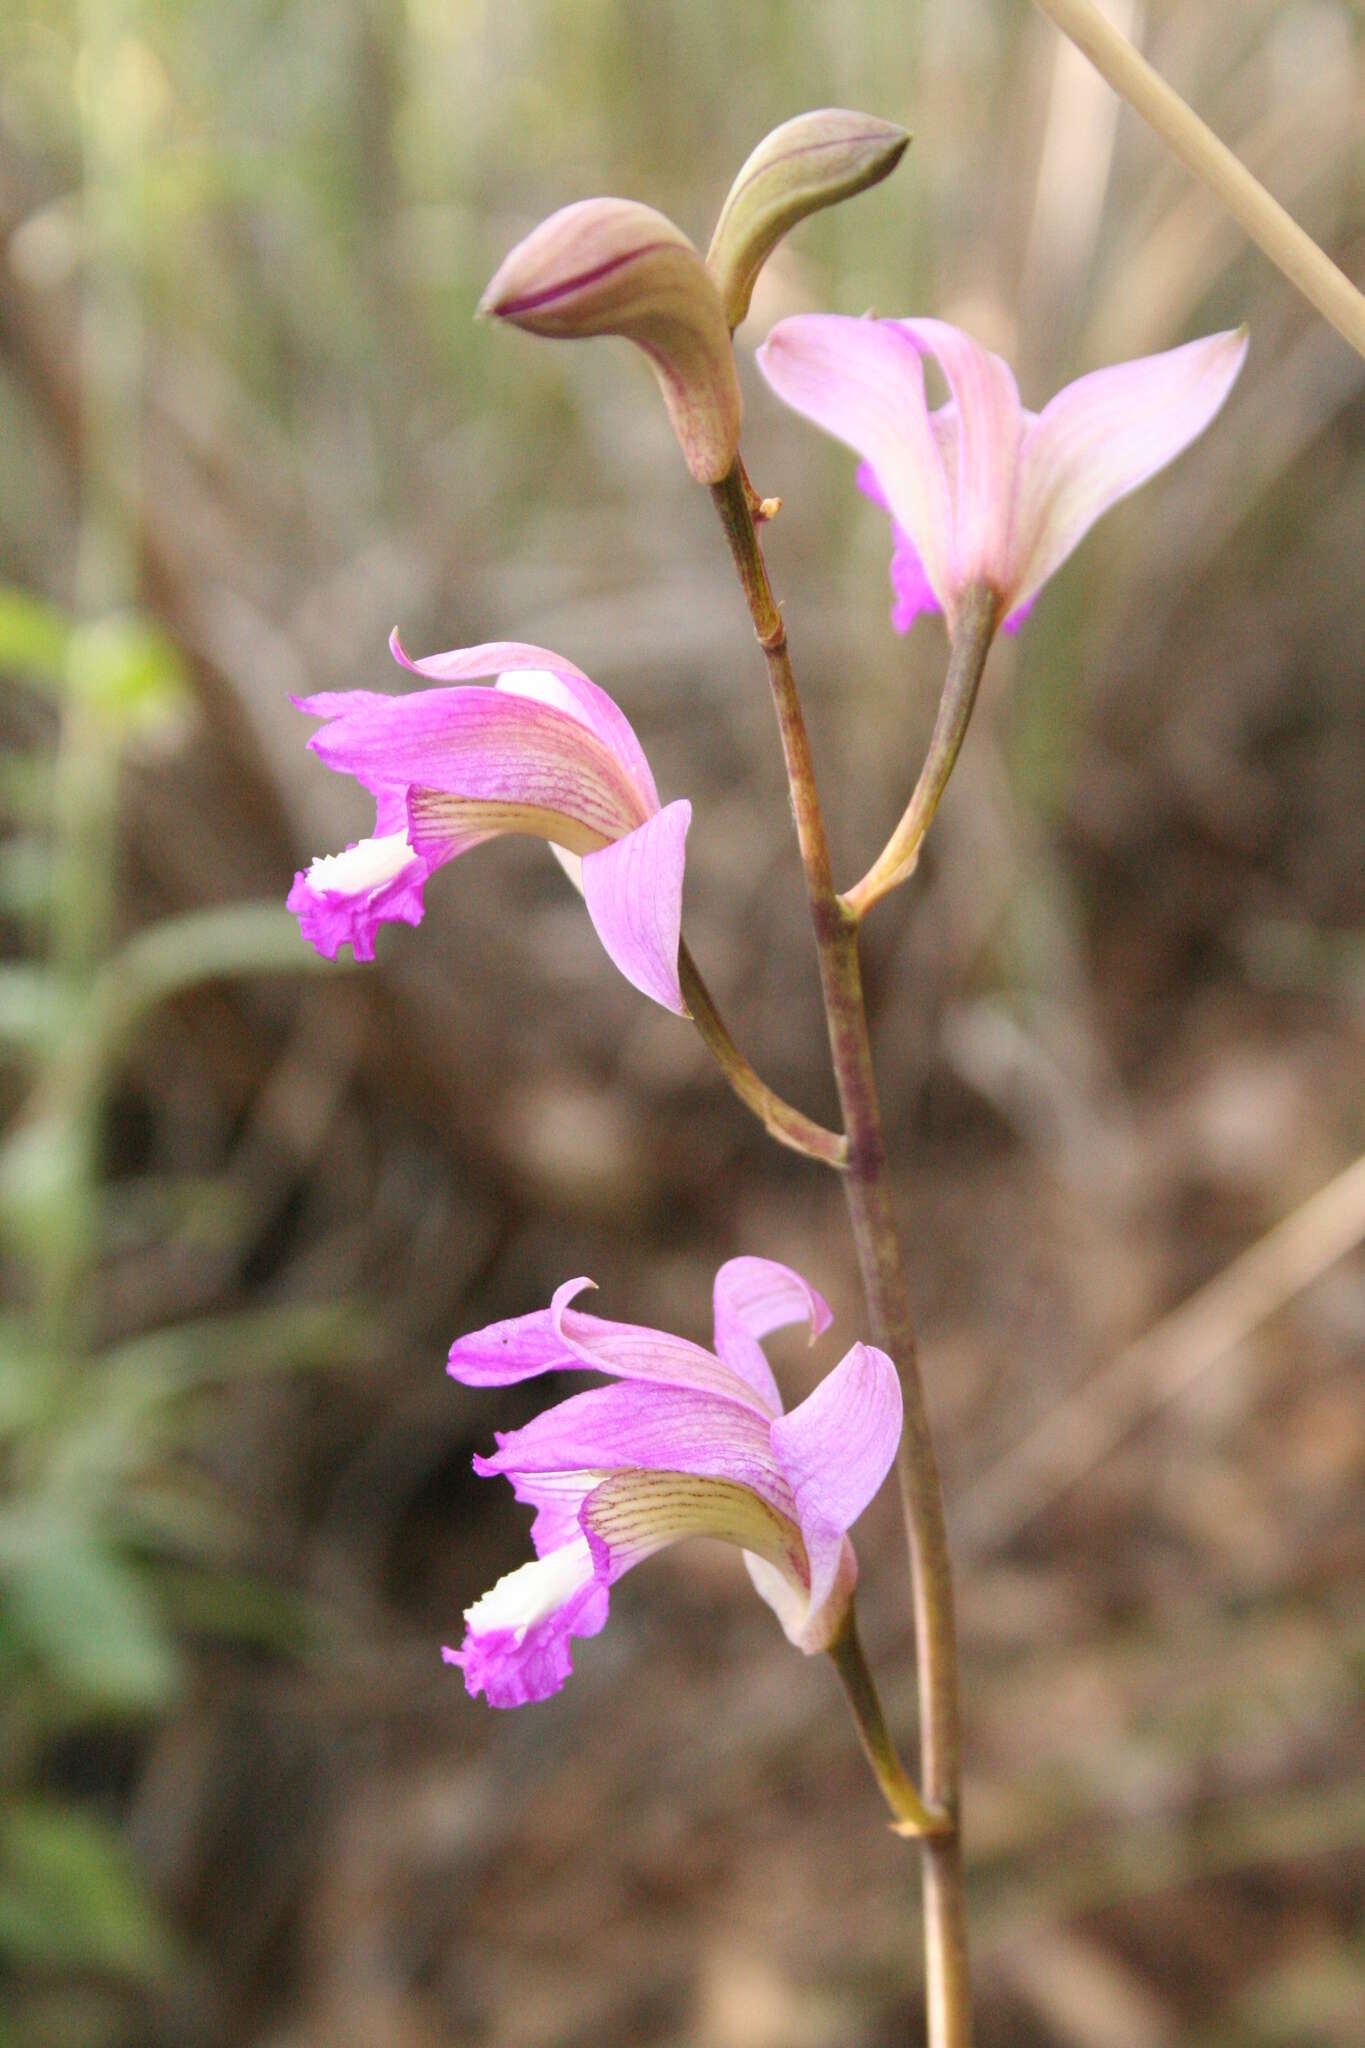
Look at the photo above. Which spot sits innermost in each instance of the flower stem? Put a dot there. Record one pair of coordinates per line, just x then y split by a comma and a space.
974, 628
910, 1815
1274, 231
788, 1125
868, 1191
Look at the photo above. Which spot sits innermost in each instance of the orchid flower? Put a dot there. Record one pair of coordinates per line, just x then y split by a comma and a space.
687, 1442
543, 751
982, 491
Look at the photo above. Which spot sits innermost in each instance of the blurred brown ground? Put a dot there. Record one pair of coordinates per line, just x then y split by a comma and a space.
1119, 1023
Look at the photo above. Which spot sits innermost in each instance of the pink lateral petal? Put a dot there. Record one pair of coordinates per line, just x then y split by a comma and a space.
632, 1351
835, 1450
488, 747
862, 381
517, 1348
753, 1297
657, 1428
489, 658
557, 1498
1103, 436
550, 678
989, 427
561, 1339
911, 591
633, 891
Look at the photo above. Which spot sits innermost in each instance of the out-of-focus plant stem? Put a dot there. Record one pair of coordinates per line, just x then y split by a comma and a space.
85, 788
788, 1125
1274, 231
868, 1190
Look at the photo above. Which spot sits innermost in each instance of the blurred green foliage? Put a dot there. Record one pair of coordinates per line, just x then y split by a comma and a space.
112, 1538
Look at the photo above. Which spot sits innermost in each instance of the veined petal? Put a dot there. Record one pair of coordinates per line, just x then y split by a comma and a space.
659, 1428
441, 826
835, 1450
633, 892
519, 1347
631, 1515
862, 381
486, 746
751, 1298
561, 1339
1103, 436
631, 1351
535, 672
989, 423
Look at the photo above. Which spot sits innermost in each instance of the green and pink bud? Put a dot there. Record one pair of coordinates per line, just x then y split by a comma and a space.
612, 266
808, 163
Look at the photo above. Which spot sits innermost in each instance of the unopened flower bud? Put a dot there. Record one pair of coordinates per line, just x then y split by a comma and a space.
805, 164
611, 266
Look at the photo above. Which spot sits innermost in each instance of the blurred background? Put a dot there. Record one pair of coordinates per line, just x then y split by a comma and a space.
246, 1202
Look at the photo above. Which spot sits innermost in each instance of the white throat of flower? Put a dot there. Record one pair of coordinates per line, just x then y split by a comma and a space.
363, 867
533, 1591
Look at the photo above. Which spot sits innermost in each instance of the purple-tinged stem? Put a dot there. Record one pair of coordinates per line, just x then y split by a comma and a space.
867, 1186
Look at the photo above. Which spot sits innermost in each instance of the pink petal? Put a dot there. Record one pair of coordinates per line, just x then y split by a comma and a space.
910, 588
752, 1297
1103, 436
835, 1450
518, 1348
862, 381
561, 1339
657, 1428
554, 680
485, 746
633, 891
989, 426
557, 1498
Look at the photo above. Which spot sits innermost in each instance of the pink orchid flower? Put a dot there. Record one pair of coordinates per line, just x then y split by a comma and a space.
687, 1442
981, 491
543, 751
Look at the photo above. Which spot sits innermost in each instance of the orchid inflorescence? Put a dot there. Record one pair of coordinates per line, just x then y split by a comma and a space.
987, 500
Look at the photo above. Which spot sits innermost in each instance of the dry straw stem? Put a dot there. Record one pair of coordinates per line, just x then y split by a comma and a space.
1273, 230
1085, 1429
